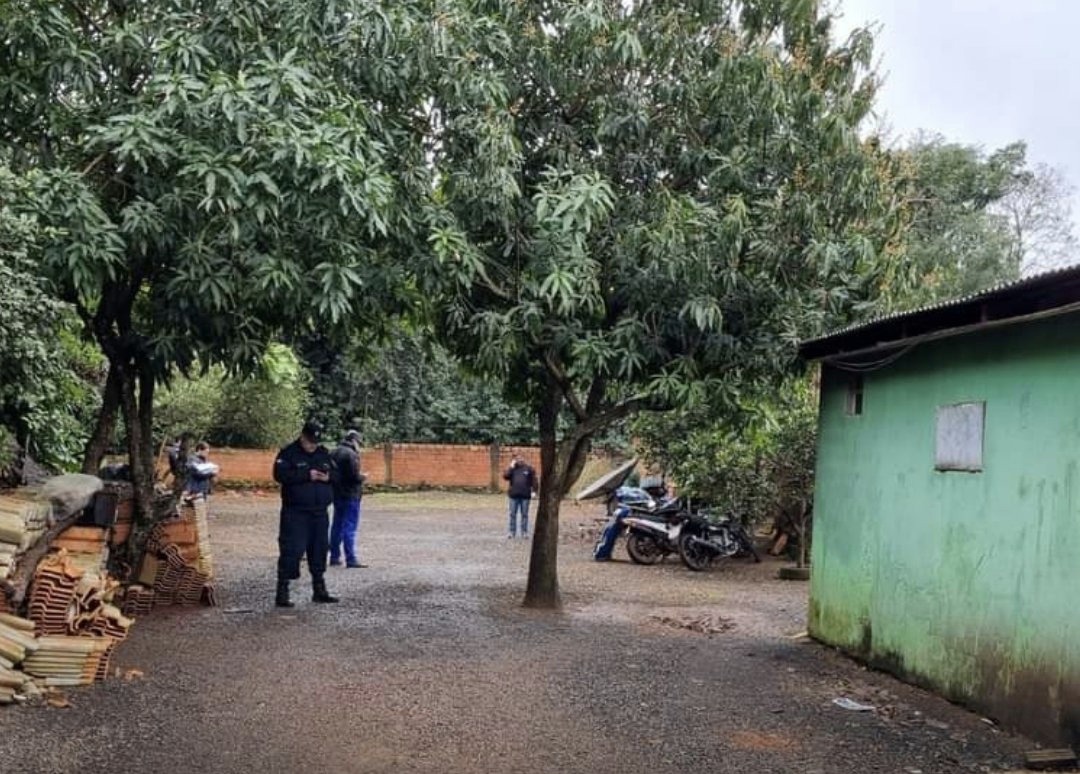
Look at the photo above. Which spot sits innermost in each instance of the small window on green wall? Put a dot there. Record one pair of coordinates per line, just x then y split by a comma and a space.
854, 395
959, 437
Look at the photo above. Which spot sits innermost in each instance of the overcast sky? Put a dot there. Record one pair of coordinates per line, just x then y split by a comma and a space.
984, 72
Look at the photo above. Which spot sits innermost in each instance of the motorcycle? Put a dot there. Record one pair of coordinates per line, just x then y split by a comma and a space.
652, 532
648, 517
702, 540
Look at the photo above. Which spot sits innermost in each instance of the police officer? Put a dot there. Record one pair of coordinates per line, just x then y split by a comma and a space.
306, 473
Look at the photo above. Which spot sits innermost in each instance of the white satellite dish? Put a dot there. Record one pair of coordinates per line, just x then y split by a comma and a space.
608, 482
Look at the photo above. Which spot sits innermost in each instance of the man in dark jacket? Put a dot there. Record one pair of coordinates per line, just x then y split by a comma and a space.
348, 490
306, 473
522, 480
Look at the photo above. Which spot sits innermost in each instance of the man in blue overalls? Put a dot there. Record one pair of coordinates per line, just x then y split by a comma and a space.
306, 473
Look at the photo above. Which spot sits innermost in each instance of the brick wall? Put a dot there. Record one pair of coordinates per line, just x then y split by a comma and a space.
397, 464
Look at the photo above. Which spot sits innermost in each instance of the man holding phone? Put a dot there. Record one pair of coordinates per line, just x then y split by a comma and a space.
306, 473
522, 485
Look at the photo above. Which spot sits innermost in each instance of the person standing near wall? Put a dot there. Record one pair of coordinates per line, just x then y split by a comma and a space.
200, 472
348, 491
522, 478
306, 473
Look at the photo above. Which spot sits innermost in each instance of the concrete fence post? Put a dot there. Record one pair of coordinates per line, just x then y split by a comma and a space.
496, 469
388, 461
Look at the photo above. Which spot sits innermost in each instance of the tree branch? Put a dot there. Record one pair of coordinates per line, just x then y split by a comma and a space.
558, 373
602, 419
93, 163
596, 394
84, 16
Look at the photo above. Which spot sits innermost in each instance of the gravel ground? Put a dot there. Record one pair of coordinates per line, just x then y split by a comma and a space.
429, 664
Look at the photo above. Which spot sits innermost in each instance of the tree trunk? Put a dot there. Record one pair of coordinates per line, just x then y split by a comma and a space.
800, 527
560, 466
137, 404
542, 589
184, 452
105, 428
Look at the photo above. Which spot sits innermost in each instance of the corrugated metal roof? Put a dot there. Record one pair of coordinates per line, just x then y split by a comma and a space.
994, 292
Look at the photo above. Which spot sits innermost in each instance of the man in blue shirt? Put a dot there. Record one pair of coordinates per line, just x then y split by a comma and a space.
306, 473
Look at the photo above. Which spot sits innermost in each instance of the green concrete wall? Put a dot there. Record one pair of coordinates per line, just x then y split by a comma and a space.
968, 583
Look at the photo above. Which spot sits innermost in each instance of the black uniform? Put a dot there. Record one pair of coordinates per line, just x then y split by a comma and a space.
304, 524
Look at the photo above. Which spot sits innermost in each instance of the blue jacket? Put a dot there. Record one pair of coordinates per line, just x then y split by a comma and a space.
292, 469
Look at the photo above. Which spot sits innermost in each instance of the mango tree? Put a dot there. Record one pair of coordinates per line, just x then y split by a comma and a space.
659, 201
211, 173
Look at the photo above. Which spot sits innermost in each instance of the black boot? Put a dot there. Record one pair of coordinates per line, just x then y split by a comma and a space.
319, 592
282, 598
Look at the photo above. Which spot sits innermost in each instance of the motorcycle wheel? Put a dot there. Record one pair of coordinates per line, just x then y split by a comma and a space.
643, 549
694, 555
746, 547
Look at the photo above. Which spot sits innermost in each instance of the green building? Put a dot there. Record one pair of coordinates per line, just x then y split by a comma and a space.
947, 504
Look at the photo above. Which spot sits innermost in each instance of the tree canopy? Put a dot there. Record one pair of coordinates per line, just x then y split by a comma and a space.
208, 173
669, 196
48, 393
977, 219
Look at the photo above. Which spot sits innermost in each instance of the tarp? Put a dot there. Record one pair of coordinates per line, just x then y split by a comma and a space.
71, 492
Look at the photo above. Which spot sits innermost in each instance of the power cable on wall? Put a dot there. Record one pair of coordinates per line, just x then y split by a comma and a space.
872, 365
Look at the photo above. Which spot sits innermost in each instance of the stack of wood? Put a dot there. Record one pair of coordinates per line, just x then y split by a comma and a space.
55, 660
22, 522
204, 556
52, 594
174, 580
72, 630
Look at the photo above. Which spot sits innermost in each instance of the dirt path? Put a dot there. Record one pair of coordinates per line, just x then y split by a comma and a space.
430, 665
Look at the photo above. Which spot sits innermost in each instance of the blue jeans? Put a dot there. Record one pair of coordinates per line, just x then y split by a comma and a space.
346, 523
519, 505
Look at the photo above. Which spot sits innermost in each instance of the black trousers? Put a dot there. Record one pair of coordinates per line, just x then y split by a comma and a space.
302, 531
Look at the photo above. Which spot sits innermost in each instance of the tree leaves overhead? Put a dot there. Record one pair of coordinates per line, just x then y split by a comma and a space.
239, 165
47, 392
678, 194
976, 219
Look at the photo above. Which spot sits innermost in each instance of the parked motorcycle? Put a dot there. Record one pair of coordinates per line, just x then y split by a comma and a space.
702, 540
649, 523
653, 533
